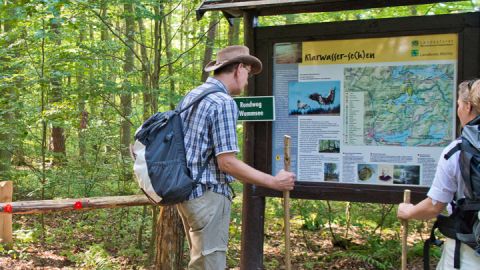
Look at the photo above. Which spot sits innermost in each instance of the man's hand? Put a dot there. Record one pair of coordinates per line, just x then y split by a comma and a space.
283, 181
228, 163
404, 210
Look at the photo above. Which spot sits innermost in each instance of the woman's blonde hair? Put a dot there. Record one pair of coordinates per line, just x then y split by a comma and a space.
469, 91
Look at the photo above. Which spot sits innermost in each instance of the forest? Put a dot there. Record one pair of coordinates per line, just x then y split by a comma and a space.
77, 78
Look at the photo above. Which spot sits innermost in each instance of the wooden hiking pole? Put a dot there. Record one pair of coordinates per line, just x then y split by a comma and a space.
286, 202
406, 199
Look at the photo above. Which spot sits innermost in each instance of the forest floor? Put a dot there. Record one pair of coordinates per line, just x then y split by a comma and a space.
310, 250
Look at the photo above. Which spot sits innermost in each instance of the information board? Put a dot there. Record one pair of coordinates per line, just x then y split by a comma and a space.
366, 111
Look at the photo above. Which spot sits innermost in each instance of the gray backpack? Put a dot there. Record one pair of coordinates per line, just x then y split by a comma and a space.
159, 153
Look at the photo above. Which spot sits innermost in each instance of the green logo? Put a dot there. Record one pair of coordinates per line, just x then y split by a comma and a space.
415, 43
415, 53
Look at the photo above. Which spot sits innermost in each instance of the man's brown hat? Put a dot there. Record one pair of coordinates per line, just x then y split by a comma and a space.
235, 54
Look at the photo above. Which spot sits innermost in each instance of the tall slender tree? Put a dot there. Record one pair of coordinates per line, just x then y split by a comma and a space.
56, 76
210, 42
234, 32
157, 52
126, 97
146, 70
82, 111
8, 90
168, 51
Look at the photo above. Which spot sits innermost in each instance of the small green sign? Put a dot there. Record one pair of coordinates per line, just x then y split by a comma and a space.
256, 108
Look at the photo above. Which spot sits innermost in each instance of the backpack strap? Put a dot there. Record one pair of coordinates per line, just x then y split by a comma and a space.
204, 167
197, 99
452, 151
467, 152
431, 241
466, 237
456, 254
469, 206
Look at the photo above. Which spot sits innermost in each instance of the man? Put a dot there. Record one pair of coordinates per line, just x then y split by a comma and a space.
210, 135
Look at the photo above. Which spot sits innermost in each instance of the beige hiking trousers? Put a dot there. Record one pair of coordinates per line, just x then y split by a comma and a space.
206, 222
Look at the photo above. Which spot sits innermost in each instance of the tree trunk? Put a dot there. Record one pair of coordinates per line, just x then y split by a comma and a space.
234, 32
209, 44
125, 97
168, 50
5, 106
170, 237
58, 137
183, 39
82, 112
43, 89
147, 94
103, 13
157, 47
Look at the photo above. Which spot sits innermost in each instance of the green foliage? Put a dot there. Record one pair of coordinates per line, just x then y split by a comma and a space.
417, 251
378, 264
311, 213
272, 264
374, 13
24, 236
89, 239
23, 239
95, 257
64, 65
371, 240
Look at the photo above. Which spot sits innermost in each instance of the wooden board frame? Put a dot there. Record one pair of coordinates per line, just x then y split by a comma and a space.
258, 135
463, 24
235, 8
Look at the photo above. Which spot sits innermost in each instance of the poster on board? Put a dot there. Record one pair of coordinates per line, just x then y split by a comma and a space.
367, 111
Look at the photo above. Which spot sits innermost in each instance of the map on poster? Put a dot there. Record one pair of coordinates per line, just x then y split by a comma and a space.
366, 111
404, 105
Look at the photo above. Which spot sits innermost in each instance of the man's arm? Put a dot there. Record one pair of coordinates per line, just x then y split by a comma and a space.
229, 164
423, 210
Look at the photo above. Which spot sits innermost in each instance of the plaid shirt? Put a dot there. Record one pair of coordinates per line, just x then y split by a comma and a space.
209, 130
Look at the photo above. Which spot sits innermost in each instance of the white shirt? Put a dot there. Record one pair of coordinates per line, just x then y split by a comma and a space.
448, 178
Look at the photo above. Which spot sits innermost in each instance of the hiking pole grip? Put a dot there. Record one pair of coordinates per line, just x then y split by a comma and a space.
406, 199
286, 202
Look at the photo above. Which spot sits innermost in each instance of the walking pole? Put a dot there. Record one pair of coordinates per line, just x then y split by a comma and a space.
286, 202
406, 199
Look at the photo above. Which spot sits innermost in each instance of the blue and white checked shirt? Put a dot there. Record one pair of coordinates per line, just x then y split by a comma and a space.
209, 130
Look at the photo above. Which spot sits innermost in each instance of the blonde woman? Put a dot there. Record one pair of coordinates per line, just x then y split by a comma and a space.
448, 179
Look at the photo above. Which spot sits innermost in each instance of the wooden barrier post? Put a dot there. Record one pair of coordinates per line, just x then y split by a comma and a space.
6, 193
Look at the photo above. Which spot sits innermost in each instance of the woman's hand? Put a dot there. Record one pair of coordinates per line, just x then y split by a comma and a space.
404, 211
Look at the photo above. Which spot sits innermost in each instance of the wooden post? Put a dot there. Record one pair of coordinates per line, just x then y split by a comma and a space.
286, 203
253, 206
406, 199
6, 193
